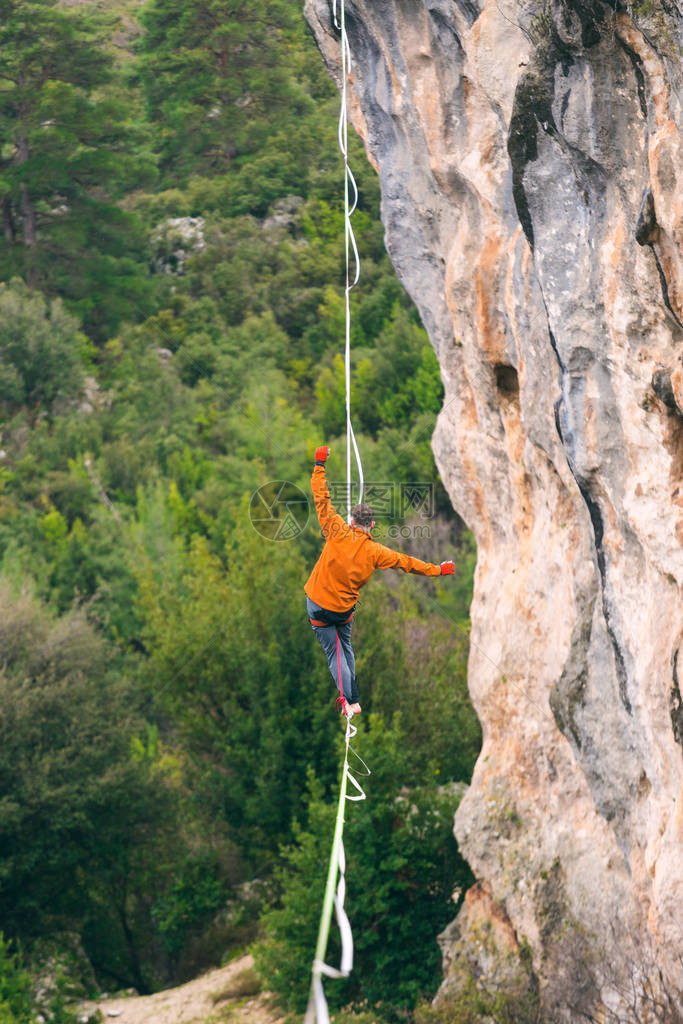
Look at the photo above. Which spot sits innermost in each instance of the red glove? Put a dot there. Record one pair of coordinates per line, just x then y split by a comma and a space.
321, 455
447, 568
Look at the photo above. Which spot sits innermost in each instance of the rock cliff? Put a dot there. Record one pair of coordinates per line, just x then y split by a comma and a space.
531, 167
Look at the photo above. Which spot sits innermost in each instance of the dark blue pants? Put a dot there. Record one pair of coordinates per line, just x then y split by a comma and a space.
327, 638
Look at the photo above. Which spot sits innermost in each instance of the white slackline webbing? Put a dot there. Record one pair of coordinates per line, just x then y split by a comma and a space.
349, 247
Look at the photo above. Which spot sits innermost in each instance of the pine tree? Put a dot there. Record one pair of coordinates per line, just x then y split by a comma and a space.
65, 156
214, 78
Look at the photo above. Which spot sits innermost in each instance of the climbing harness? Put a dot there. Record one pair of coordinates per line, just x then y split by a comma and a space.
317, 1012
349, 247
319, 622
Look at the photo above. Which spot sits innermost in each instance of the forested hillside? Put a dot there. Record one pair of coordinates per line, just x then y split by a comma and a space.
171, 323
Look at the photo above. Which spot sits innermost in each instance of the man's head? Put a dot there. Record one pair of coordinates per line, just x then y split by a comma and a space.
362, 516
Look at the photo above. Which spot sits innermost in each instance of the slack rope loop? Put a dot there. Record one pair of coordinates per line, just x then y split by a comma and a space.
316, 1011
350, 249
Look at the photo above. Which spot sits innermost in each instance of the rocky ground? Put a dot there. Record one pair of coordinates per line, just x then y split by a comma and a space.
226, 995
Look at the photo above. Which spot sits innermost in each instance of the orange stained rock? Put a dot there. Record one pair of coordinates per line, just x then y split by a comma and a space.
659, 90
487, 275
679, 531
479, 904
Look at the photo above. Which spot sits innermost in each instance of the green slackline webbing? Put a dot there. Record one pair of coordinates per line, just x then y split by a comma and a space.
317, 1012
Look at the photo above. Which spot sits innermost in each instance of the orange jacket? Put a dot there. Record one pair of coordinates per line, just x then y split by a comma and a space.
350, 556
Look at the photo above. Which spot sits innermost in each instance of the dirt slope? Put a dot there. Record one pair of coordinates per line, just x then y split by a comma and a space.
214, 998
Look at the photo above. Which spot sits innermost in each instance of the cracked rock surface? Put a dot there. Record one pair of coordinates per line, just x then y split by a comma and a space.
531, 169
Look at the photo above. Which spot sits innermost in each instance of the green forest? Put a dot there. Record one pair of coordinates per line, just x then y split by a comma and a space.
171, 338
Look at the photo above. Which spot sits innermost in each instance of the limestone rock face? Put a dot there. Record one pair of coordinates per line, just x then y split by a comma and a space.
531, 168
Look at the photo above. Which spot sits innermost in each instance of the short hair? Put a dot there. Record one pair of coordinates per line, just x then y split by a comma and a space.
362, 516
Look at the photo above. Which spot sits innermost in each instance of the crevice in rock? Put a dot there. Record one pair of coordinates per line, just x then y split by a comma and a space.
648, 233
597, 526
637, 63
507, 381
663, 388
598, 534
673, 442
664, 286
676, 704
565, 105
647, 228
568, 694
553, 345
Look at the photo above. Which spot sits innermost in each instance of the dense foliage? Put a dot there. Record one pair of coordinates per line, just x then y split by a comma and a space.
170, 324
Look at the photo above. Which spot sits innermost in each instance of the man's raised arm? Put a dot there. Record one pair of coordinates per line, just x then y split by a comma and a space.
328, 517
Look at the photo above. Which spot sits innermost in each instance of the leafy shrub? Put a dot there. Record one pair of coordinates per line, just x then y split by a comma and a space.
474, 1004
15, 987
43, 354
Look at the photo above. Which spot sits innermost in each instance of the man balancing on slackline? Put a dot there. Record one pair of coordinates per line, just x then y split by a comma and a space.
348, 560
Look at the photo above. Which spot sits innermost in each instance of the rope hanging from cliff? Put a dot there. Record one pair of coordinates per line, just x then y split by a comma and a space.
316, 1011
350, 248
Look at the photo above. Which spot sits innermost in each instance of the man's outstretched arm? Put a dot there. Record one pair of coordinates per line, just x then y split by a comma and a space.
388, 559
328, 517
